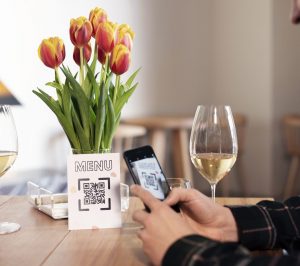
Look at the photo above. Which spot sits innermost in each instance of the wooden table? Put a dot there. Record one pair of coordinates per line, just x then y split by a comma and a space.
44, 241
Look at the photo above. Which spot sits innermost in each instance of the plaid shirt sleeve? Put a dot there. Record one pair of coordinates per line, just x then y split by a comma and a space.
269, 224
266, 225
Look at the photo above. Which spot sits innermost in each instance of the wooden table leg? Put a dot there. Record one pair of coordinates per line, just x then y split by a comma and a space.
157, 138
181, 156
291, 177
242, 176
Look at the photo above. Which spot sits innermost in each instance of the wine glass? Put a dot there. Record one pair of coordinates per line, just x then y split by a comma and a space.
8, 154
213, 143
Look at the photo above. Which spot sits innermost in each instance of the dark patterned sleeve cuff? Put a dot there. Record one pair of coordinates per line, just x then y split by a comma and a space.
180, 252
255, 227
197, 250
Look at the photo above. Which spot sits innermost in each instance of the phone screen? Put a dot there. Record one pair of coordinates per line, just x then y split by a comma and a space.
147, 172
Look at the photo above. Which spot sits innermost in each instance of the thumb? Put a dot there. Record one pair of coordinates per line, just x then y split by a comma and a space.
177, 195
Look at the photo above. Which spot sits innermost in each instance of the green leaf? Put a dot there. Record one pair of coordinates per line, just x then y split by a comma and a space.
100, 118
92, 126
123, 99
87, 87
110, 122
52, 104
101, 113
116, 124
67, 104
111, 88
93, 64
92, 115
95, 86
82, 101
50, 99
84, 141
54, 85
59, 97
108, 82
58, 88
122, 89
131, 78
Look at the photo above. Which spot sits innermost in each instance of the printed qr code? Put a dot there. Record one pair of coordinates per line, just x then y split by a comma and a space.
150, 181
94, 193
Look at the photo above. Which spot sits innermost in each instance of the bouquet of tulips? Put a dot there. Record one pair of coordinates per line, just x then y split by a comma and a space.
89, 103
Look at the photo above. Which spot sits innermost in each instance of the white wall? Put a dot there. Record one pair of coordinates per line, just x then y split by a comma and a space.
242, 78
286, 67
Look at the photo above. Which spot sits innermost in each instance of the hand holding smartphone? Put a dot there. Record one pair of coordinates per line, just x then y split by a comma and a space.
146, 172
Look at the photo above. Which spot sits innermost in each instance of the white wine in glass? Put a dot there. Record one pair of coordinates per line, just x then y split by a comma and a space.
8, 154
213, 143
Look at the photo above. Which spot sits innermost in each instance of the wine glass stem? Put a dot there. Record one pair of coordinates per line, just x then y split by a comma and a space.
213, 192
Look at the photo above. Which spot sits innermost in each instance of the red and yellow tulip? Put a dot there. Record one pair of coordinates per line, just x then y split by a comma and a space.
124, 35
97, 16
105, 36
80, 31
120, 59
101, 56
52, 52
89, 99
87, 51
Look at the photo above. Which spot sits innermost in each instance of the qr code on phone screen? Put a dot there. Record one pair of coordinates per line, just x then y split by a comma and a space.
94, 193
150, 181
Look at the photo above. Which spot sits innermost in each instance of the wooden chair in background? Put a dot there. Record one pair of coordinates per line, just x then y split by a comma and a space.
158, 128
126, 138
291, 136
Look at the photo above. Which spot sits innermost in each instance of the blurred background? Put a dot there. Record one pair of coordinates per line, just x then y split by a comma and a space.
243, 53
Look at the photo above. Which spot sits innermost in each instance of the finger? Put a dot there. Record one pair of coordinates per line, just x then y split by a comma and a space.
145, 196
140, 216
181, 195
141, 234
176, 195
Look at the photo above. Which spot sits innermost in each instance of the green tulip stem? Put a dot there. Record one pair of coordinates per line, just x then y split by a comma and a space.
81, 66
104, 69
106, 66
58, 91
117, 84
58, 77
95, 52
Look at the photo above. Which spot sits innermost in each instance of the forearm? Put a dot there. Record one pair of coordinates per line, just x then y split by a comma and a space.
269, 224
197, 250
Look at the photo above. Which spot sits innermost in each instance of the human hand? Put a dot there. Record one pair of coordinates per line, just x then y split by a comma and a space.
207, 218
162, 226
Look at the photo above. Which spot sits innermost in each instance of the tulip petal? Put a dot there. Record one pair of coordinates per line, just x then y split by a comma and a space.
105, 36
97, 16
80, 31
87, 51
124, 35
52, 52
120, 59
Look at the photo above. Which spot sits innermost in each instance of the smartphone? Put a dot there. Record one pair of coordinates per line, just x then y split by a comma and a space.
147, 172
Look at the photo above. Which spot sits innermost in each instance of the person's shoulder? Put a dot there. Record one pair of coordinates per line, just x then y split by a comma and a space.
293, 202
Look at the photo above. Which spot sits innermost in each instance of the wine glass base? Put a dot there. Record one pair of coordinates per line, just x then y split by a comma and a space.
6, 228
